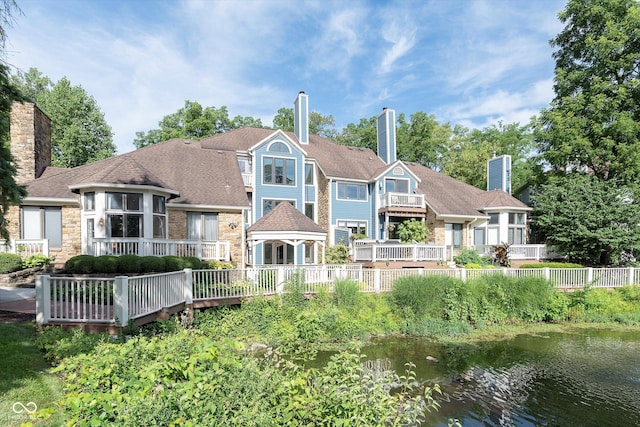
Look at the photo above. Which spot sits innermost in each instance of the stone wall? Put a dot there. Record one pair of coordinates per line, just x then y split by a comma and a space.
322, 205
30, 141
436, 228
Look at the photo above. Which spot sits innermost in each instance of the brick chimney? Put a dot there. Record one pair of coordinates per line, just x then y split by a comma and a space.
30, 141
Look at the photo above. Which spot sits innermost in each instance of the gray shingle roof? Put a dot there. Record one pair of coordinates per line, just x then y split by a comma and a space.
448, 196
285, 217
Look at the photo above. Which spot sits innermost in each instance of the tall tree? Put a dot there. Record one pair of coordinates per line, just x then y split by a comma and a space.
588, 219
593, 123
79, 131
318, 124
423, 140
362, 134
10, 192
193, 122
468, 152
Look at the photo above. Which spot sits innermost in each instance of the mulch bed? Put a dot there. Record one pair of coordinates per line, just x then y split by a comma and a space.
13, 317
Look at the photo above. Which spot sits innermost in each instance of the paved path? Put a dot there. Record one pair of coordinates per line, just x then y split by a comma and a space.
19, 300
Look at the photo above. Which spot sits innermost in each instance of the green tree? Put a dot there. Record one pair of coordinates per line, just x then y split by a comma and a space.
10, 192
468, 152
588, 219
318, 124
413, 230
423, 140
79, 131
7, 10
193, 122
593, 123
362, 134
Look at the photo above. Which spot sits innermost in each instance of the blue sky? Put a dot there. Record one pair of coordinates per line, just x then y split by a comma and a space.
467, 62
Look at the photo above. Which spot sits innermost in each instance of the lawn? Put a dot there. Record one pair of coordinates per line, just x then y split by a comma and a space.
25, 383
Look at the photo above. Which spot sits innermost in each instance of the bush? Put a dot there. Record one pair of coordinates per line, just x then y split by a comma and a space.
470, 256
337, 254
106, 264
173, 263
551, 265
216, 265
192, 262
346, 292
10, 263
422, 295
80, 264
38, 260
152, 264
129, 263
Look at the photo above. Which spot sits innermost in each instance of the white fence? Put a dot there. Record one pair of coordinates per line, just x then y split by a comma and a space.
203, 249
118, 300
25, 248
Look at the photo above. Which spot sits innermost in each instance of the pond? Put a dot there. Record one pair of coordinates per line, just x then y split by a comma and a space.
583, 377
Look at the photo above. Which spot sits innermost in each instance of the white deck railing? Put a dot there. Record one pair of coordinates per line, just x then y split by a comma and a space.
25, 248
118, 300
404, 200
398, 252
536, 252
203, 249
247, 178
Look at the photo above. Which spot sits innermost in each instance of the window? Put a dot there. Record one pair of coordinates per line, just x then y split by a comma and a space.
202, 226
494, 218
269, 204
278, 171
516, 218
356, 226
279, 147
396, 185
517, 231
348, 191
90, 201
453, 235
479, 236
245, 164
42, 223
159, 218
124, 215
308, 210
308, 174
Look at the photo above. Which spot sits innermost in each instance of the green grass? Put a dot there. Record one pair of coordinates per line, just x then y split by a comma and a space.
24, 378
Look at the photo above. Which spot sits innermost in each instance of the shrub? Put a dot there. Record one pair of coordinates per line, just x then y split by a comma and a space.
346, 292
216, 265
173, 263
413, 230
106, 264
552, 265
10, 263
337, 254
152, 264
192, 262
129, 263
470, 256
38, 260
80, 264
422, 295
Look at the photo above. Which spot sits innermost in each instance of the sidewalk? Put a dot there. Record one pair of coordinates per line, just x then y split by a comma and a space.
18, 300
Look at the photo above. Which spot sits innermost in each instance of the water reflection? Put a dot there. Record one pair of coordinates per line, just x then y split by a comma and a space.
584, 378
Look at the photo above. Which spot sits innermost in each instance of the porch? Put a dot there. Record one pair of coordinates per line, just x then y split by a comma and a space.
204, 249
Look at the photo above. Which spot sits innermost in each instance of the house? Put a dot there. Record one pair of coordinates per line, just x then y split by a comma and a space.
220, 197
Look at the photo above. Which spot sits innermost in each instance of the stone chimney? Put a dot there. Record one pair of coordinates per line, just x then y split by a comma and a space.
499, 173
30, 141
301, 118
386, 125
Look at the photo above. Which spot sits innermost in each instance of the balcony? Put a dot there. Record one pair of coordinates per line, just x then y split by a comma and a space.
247, 178
401, 200
203, 249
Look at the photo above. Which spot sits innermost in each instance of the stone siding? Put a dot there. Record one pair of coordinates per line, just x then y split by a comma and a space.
30, 141
322, 205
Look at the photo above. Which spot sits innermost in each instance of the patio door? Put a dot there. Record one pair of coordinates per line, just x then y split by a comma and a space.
453, 235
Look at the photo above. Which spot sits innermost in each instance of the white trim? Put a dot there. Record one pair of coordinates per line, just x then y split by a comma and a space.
205, 208
398, 163
507, 208
49, 201
280, 133
125, 186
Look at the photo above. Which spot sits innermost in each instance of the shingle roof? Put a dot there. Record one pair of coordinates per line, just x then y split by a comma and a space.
285, 217
202, 177
337, 161
448, 196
